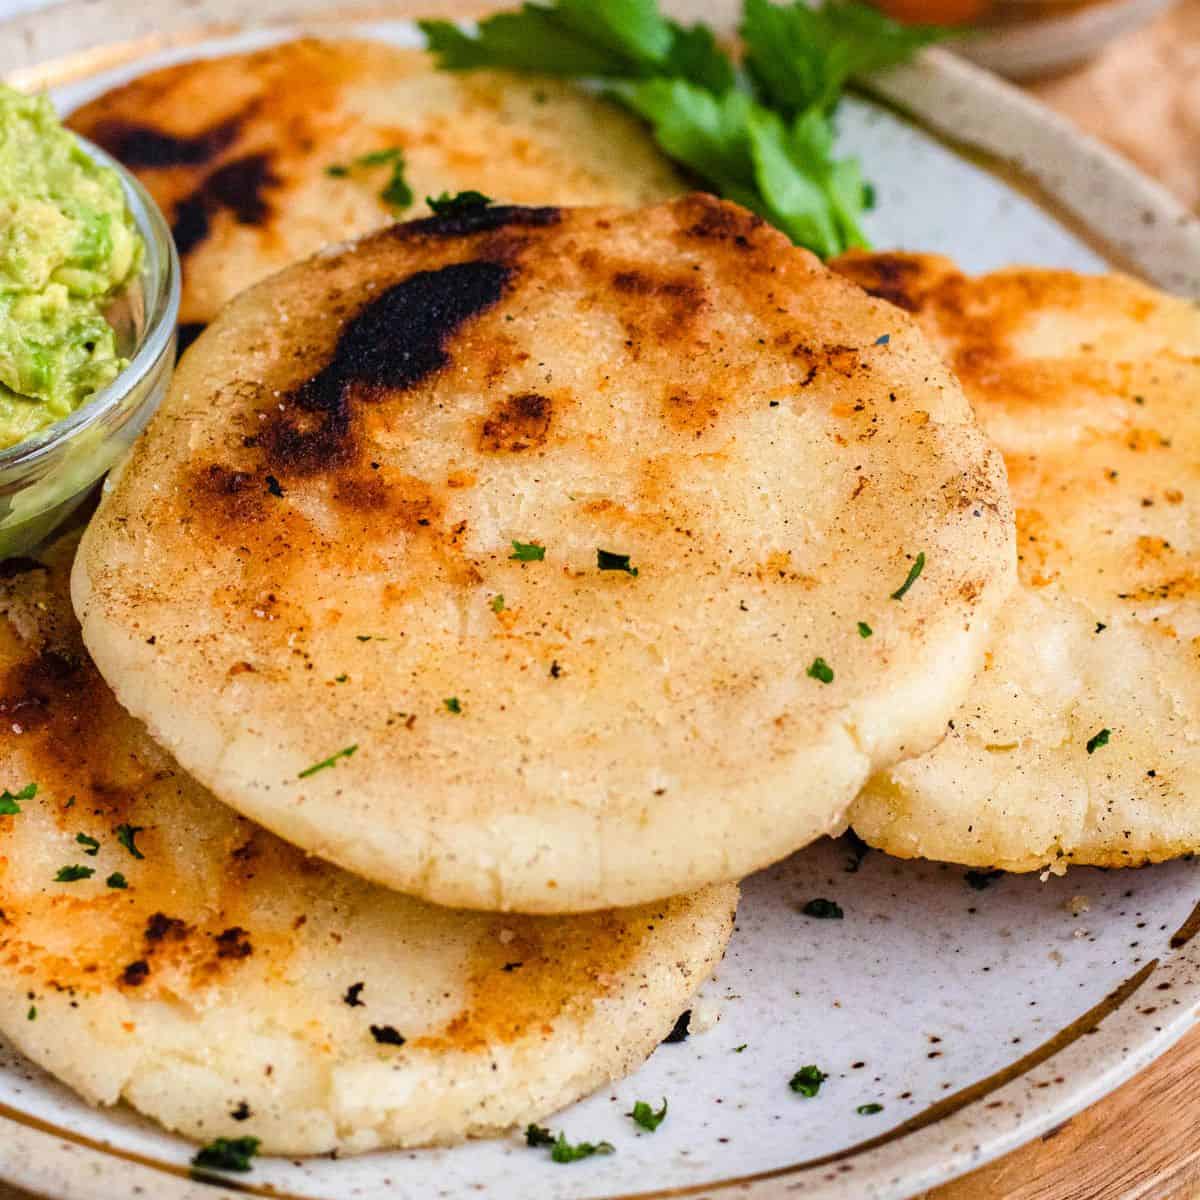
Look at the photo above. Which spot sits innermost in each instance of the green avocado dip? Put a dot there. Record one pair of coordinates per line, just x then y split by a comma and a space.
67, 243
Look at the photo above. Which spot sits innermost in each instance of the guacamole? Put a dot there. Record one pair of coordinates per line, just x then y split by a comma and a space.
67, 243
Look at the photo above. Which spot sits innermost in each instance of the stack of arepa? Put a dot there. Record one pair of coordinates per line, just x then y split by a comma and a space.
494, 591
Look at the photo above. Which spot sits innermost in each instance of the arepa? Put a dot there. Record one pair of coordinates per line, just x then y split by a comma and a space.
519, 559
1080, 738
258, 159
161, 950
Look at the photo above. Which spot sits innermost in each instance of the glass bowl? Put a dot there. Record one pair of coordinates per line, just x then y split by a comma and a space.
46, 476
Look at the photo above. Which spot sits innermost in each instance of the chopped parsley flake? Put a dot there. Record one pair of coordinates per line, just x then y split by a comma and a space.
913, 573
396, 192
227, 1154
527, 551
325, 762
10, 801
807, 1081
868, 1110
73, 874
453, 704
116, 880
353, 995
31, 1015
274, 486
446, 205
93, 846
823, 910
647, 1117
978, 880
739, 1049
864, 630
537, 1135
821, 670
563, 1152
387, 1035
607, 561
497, 603
883, 339
1101, 739
126, 835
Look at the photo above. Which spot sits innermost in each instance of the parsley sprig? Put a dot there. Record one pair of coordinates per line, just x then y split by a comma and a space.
762, 135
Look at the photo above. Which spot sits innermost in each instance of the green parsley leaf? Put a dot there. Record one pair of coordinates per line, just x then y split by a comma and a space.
807, 1081
868, 1110
447, 205
537, 1135
31, 1015
564, 1152
116, 880
453, 704
377, 158
497, 603
527, 551
739, 1049
73, 874
1100, 739
93, 846
347, 752
126, 835
823, 910
10, 801
864, 630
821, 670
607, 561
802, 56
647, 1117
227, 1154
913, 572
396, 192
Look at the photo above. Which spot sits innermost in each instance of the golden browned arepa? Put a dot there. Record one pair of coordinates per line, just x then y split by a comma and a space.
546, 534
256, 158
1080, 738
160, 949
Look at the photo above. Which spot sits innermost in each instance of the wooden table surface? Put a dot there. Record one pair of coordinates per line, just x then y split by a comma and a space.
1143, 1141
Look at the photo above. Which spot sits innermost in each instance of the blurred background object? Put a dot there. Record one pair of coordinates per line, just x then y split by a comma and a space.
1142, 96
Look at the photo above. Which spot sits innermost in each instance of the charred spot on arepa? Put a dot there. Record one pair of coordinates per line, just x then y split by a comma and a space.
395, 342
517, 423
137, 144
238, 187
479, 220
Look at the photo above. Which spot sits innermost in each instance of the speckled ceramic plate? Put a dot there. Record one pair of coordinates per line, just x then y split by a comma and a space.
975, 1019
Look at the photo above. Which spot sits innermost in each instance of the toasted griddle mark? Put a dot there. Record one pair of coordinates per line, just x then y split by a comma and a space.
136, 973
394, 343
187, 333
160, 928
890, 277
138, 145
479, 220
34, 687
237, 187
520, 423
234, 943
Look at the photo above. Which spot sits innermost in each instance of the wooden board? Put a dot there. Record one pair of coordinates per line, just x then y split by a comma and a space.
1140, 1143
